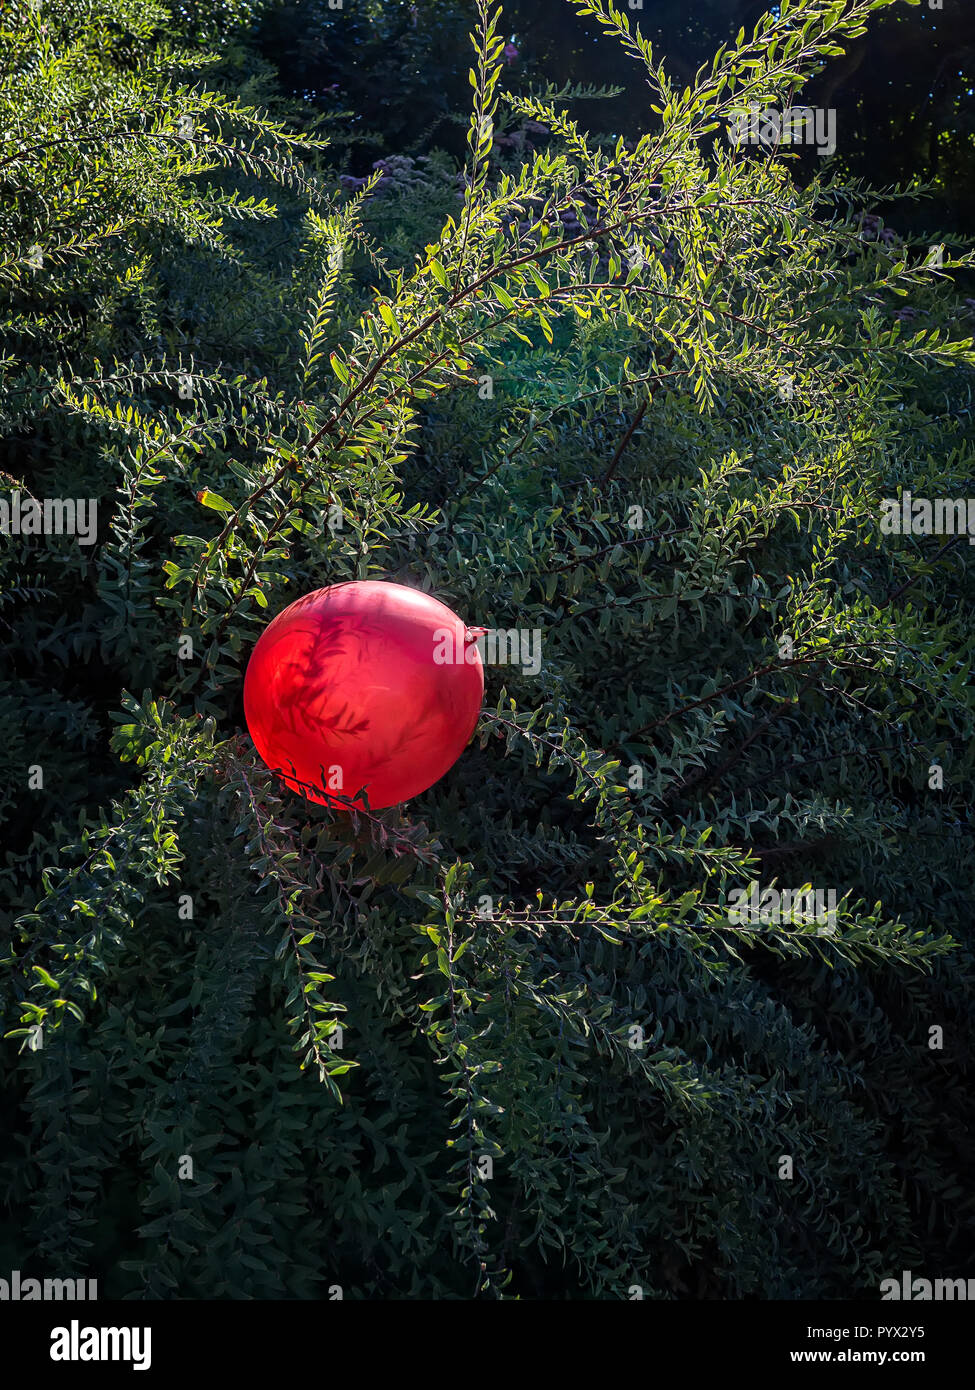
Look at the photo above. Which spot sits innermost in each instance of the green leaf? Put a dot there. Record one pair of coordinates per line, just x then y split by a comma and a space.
213, 500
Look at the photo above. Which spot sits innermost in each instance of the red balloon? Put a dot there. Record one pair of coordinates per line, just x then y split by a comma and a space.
363, 685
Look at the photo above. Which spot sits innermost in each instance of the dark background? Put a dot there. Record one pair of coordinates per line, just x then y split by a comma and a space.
902, 94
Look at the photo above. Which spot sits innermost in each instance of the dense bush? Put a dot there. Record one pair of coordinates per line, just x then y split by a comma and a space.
645, 399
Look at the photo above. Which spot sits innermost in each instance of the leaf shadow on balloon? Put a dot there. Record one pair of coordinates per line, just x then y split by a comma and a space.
293, 711
345, 643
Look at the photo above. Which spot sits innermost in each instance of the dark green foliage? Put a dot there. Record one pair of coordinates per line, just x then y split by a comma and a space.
505, 1040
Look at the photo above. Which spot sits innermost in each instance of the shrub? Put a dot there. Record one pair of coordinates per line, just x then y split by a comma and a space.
643, 399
